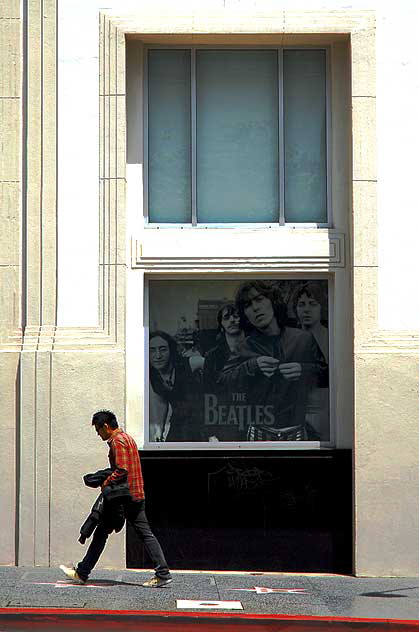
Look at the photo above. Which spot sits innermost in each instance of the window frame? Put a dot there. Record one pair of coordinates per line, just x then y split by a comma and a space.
281, 161
238, 446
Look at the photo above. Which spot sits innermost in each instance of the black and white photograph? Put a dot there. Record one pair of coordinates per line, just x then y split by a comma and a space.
238, 361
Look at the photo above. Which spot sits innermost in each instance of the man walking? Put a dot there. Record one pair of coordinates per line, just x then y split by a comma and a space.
125, 462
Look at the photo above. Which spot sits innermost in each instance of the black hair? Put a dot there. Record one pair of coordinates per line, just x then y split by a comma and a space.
266, 288
315, 290
103, 417
175, 358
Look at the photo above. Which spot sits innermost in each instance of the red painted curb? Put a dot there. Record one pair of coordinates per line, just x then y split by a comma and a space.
207, 614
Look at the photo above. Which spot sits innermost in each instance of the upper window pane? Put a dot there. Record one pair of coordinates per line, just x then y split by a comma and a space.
305, 136
237, 136
169, 136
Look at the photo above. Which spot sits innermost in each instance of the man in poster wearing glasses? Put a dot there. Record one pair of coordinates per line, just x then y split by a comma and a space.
273, 368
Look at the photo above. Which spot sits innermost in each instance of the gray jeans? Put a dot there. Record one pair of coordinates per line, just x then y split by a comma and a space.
136, 516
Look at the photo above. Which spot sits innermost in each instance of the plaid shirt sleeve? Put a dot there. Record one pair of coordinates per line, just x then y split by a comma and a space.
124, 459
119, 456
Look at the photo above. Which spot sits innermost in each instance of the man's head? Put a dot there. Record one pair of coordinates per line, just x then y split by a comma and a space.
105, 423
228, 319
260, 304
163, 351
310, 304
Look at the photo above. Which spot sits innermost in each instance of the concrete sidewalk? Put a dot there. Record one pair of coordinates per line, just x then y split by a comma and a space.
262, 593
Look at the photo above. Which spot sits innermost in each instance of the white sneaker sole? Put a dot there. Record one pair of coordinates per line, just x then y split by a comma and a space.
65, 570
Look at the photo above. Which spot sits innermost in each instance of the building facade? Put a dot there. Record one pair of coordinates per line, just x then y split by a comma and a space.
154, 162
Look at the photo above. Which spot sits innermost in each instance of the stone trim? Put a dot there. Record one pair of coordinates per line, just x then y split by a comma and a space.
325, 255
391, 341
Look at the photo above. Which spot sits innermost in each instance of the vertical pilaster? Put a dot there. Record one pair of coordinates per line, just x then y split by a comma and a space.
365, 271
10, 169
112, 150
39, 285
10, 262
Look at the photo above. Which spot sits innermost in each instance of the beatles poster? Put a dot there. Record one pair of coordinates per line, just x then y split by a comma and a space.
238, 360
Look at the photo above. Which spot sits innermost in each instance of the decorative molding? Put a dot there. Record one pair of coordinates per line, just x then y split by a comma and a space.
11, 340
390, 341
53, 338
213, 250
281, 22
243, 264
112, 181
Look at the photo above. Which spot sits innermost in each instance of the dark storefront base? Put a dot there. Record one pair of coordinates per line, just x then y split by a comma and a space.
252, 511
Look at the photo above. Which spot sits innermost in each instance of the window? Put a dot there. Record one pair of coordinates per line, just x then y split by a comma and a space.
239, 361
236, 136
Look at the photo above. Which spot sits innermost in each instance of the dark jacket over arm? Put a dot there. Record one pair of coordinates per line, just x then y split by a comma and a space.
108, 508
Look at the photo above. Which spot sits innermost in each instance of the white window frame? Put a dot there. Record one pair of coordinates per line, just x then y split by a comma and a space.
281, 211
247, 445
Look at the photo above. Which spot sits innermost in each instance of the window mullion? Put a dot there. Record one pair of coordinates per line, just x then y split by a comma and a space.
146, 210
281, 137
193, 136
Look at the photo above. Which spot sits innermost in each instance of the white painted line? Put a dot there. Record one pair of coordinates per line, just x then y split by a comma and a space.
262, 590
208, 605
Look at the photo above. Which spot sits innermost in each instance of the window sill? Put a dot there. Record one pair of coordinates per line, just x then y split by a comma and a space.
175, 249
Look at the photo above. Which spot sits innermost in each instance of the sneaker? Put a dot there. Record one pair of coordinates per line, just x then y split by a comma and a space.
72, 574
157, 582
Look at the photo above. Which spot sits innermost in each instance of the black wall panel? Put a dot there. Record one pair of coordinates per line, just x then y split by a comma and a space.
270, 511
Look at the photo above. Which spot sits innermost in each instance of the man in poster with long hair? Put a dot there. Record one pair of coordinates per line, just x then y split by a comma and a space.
310, 307
271, 371
173, 382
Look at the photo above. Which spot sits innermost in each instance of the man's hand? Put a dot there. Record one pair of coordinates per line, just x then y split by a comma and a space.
196, 362
290, 370
267, 365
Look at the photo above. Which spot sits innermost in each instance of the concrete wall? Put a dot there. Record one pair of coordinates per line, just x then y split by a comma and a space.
76, 344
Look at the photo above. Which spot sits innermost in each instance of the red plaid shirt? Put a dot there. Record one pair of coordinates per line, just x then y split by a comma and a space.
123, 458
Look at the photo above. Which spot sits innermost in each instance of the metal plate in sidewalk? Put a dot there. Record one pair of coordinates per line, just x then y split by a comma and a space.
208, 605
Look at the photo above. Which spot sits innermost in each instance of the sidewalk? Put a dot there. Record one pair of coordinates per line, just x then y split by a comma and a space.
257, 593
